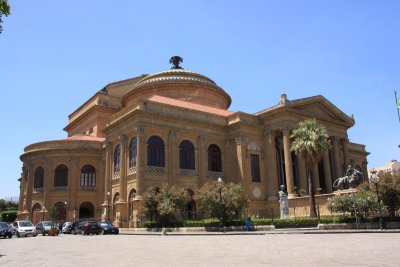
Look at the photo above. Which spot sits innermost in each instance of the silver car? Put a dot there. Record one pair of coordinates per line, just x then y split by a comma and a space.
24, 228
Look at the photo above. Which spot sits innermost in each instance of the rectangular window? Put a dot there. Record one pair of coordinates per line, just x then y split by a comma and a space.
255, 168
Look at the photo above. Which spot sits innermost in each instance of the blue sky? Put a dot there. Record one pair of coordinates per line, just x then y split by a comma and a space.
56, 54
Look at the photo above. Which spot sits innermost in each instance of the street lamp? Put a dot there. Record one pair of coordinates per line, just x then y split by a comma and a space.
219, 185
43, 211
65, 210
108, 205
375, 179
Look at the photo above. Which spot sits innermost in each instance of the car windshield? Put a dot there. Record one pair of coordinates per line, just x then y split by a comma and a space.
25, 224
46, 223
3, 225
106, 224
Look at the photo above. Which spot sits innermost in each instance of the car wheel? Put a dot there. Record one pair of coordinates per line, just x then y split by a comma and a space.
43, 234
10, 235
34, 235
18, 235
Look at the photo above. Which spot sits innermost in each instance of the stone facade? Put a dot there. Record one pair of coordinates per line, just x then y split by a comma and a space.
174, 127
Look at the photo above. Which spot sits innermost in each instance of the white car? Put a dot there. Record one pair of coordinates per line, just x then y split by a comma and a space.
24, 228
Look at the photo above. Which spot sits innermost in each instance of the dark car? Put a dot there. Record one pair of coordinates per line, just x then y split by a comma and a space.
108, 228
5, 230
87, 228
44, 227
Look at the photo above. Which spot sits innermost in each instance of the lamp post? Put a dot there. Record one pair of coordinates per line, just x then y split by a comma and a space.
108, 205
43, 211
375, 179
221, 223
65, 218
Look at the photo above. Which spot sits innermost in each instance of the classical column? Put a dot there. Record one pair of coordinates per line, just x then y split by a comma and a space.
336, 156
202, 163
302, 174
345, 145
241, 157
173, 157
288, 160
315, 174
47, 184
75, 185
140, 160
107, 173
327, 172
22, 189
122, 171
270, 162
29, 188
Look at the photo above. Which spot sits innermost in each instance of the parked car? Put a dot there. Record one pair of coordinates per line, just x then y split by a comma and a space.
44, 227
5, 230
88, 227
69, 228
24, 228
108, 228
12, 229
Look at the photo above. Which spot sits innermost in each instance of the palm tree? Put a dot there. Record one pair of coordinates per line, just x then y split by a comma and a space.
310, 141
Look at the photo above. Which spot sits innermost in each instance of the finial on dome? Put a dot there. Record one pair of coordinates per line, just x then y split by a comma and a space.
284, 100
175, 61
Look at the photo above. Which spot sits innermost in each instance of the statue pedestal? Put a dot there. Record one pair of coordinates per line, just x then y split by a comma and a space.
284, 207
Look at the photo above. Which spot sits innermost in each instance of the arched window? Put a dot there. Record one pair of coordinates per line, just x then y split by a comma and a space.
39, 177
214, 159
186, 155
132, 152
132, 196
117, 157
61, 176
88, 176
255, 168
37, 207
61, 209
155, 152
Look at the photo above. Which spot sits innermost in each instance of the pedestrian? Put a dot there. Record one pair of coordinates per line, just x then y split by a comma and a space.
248, 224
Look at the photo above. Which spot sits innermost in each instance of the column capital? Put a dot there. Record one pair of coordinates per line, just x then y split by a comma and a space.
122, 138
201, 139
286, 129
140, 129
239, 140
173, 134
107, 144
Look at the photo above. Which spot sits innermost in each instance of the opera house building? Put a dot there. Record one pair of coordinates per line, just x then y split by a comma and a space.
175, 127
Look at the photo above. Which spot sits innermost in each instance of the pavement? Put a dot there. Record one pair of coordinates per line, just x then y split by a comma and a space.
210, 249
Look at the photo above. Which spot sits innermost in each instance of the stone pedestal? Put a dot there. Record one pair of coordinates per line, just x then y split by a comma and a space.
284, 207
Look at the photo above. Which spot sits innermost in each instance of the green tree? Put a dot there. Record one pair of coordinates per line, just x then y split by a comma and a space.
310, 140
165, 203
233, 199
4, 10
390, 191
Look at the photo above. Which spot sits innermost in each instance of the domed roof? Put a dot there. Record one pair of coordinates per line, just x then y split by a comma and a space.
182, 85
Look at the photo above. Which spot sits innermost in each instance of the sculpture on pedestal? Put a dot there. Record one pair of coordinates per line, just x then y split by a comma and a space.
283, 202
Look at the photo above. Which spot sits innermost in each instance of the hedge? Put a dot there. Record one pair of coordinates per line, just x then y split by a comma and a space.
8, 216
277, 222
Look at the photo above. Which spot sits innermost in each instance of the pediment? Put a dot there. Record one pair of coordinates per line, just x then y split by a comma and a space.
320, 107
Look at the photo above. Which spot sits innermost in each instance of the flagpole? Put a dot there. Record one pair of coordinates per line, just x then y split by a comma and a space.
397, 104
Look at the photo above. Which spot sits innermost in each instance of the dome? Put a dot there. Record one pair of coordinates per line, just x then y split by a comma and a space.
179, 84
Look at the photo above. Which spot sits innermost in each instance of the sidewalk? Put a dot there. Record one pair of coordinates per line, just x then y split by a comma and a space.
270, 231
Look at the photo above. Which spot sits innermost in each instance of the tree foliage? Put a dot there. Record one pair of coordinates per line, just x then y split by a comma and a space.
163, 204
4, 11
233, 199
360, 204
389, 191
310, 141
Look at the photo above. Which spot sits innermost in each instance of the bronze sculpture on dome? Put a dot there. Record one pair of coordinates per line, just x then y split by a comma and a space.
175, 61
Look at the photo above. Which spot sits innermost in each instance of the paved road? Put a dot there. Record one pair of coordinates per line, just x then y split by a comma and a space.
364, 249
